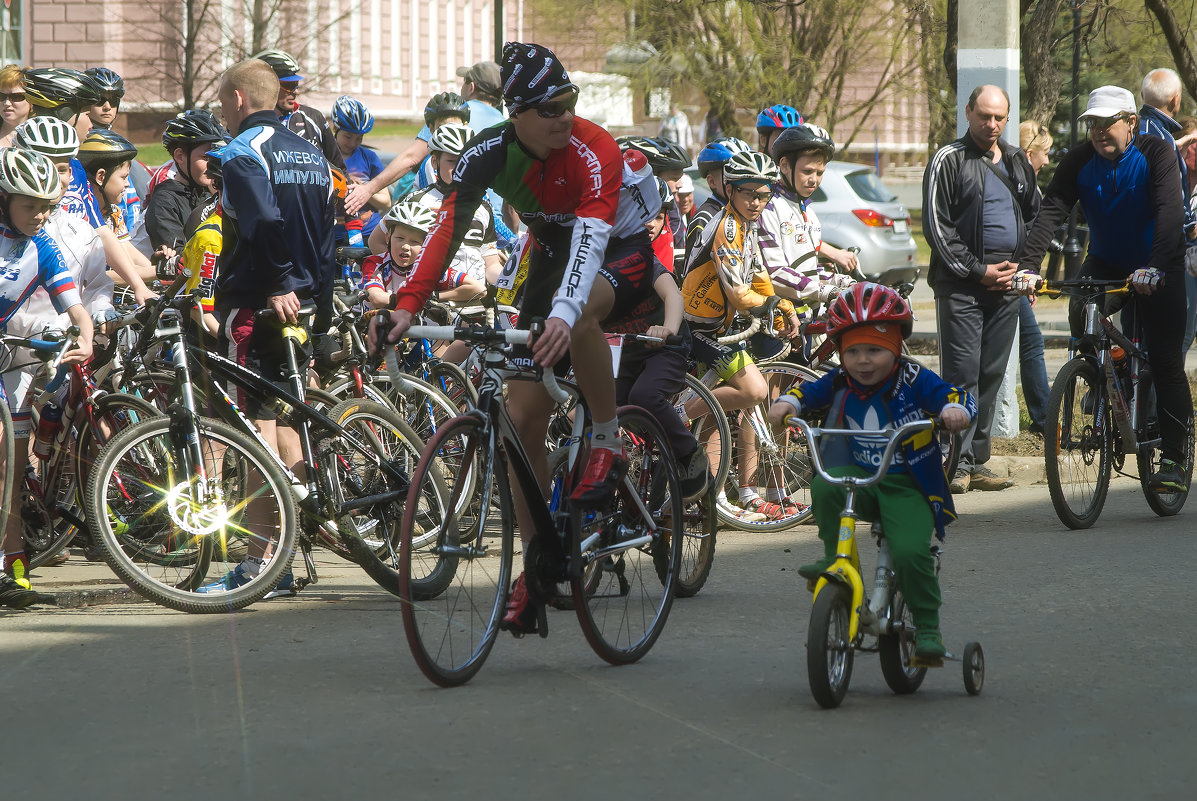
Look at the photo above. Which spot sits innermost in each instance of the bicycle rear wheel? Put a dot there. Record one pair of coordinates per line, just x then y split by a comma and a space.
708, 424
1164, 504
114, 412
451, 624
1077, 444
350, 475
621, 601
698, 546
171, 535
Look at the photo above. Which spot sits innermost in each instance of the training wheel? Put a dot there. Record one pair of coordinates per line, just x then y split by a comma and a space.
974, 668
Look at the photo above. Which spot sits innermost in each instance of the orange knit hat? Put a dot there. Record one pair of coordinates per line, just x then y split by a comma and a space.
885, 335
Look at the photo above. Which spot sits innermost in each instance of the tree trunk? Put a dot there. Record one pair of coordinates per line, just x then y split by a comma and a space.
1043, 80
1177, 43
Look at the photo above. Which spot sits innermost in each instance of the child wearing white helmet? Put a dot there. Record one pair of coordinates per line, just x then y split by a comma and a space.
29, 190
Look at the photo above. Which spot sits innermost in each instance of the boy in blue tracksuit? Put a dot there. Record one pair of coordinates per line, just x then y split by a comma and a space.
875, 388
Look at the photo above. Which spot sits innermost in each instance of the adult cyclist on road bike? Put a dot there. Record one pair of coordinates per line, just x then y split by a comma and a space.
583, 208
1129, 188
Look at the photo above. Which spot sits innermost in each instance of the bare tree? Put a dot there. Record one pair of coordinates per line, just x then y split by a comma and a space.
1177, 35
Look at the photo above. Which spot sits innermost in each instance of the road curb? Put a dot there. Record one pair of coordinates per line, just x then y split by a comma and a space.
78, 598
1023, 469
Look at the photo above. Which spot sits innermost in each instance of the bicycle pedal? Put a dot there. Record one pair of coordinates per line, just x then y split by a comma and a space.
916, 662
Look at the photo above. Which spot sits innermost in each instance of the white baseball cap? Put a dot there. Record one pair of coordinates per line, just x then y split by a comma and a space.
685, 185
1109, 101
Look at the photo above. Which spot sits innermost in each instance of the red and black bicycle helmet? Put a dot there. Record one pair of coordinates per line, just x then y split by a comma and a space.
867, 303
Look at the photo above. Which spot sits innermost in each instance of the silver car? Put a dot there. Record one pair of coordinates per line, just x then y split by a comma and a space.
857, 210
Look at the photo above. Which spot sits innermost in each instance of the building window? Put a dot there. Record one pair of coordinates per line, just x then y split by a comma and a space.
11, 50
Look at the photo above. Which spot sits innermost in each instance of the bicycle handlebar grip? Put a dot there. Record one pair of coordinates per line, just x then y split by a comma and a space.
431, 332
549, 379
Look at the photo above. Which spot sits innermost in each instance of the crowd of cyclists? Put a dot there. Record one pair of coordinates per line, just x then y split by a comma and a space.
542, 214
618, 220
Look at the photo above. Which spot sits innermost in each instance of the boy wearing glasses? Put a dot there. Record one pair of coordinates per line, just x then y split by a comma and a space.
1128, 186
584, 209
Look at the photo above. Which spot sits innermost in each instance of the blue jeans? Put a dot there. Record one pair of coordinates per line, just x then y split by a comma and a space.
1031, 366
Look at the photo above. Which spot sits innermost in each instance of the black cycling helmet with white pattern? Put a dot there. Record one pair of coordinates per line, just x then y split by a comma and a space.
450, 138
662, 154
803, 138
750, 167
350, 114
61, 92
107, 81
28, 173
193, 127
284, 64
446, 104
49, 136
531, 75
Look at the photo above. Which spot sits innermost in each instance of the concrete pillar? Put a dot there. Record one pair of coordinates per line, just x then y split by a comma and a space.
988, 52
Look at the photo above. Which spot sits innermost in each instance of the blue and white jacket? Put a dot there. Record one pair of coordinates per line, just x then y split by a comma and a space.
912, 393
278, 218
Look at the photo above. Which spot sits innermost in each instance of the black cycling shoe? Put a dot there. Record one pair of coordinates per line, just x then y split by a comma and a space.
695, 475
14, 596
1169, 478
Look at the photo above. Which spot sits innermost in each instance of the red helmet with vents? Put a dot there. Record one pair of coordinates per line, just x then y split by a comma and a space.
865, 303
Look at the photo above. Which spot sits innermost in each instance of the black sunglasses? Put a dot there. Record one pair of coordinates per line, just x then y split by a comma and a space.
556, 108
113, 100
12, 97
1104, 122
763, 195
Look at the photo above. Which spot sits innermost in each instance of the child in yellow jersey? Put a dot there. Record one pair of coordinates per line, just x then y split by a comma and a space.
202, 252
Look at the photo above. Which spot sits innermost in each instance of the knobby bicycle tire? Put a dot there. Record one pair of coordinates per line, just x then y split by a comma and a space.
165, 543
1076, 448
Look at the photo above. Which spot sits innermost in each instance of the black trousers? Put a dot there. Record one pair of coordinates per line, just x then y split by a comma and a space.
1163, 317
976, 332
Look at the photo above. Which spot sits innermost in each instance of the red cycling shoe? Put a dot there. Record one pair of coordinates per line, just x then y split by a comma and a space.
520, 616
604, 471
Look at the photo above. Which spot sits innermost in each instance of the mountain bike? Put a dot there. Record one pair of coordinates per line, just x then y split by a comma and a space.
841, 619
1102, 409
620, 560
51, 498
178, 500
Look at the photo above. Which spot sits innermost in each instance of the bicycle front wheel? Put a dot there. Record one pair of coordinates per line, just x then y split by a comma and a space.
174, 532
621, 600
454, 572
772, 460
1077, 443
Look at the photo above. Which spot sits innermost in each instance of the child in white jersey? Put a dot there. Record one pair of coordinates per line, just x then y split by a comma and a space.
30, 188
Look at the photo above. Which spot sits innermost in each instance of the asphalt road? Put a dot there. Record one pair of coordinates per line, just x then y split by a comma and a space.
1090, 692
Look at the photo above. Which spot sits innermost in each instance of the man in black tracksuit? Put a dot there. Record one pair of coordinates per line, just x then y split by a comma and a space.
978, 199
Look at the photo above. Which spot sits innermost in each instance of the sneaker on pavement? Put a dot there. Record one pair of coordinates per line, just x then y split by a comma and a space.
13, 595
520, 616
928, 645
604, 471
237, 577
284, 589
743, 515
695, 475
1169, 478
988, 481
960, 482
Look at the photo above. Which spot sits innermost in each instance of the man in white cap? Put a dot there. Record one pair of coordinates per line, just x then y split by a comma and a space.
1128, 186
684, 195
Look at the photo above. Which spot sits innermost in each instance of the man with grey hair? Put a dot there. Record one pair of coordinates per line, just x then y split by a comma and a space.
1161, 91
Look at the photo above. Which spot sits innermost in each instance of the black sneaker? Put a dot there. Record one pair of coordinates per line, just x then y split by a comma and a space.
695, 475
13, 595
1169, 478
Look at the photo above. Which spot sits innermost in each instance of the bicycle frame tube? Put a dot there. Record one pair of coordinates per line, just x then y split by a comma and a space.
846, 567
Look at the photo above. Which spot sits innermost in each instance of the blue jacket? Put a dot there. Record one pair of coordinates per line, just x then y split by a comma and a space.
913, 393
278, 218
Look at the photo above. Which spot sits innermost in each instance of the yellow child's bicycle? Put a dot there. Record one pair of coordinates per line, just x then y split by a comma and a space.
842, 621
